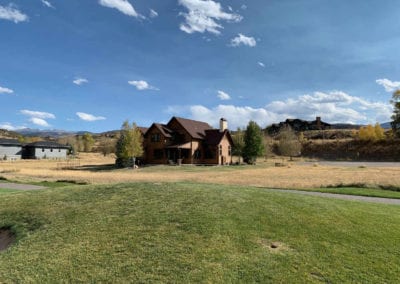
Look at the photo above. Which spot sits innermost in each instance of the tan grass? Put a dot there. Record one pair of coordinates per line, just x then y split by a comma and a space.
264, 175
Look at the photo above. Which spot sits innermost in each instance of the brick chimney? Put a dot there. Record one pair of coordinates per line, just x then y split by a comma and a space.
223, 124
318, 121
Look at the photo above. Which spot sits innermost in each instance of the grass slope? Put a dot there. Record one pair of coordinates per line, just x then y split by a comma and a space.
185, 232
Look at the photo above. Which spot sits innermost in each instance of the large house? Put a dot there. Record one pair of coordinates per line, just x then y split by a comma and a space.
186, 141
298, 125
11, 149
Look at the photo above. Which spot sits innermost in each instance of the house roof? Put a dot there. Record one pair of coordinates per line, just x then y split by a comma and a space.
196, 129
143, 129
165, 131
9, 142
214, 136
47, 144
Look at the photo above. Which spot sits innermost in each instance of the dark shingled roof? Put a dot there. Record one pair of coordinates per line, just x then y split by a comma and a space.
143, 129
165, 131
9, 142
196, 129
214, 136
47, 144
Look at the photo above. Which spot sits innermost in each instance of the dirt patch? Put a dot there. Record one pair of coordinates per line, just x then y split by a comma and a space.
7, 238
273, 246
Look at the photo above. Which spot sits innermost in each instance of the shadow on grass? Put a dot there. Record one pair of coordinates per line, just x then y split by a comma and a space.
97, 168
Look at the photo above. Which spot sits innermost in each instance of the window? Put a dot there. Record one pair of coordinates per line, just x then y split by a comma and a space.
197, 154
42, 149
220, 150
59, 150
51, 150
155, 137
229, 151
158, 154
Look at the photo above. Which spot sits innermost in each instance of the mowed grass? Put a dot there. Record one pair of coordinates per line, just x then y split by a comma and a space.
359, 191
190, 232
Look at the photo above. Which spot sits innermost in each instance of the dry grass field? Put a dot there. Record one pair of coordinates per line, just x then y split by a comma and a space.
96, 169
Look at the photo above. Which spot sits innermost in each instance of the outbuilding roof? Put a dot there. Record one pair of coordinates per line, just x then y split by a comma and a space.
47, 144
9, 142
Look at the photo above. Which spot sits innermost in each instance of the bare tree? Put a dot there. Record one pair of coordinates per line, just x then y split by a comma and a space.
289, 143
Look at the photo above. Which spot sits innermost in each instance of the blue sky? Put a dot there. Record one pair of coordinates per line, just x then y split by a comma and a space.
91, 64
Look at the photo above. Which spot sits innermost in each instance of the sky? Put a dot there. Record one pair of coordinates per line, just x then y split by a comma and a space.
89, 65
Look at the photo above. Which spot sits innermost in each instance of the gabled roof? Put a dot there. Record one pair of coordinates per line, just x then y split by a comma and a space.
214, 136
47, 144
196, 129
164, 129
9, 142
143, 130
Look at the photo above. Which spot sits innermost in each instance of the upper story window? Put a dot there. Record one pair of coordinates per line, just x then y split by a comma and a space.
155, 137
220, 150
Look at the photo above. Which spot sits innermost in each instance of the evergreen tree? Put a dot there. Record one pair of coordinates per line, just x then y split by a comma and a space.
238, 143
129, 145
396, 113
253, 143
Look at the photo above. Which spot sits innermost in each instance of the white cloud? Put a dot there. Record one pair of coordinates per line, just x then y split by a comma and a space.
241, 39
202, 16
47, 4
39, 122
11, 13
89, 117
153, 14
80, 81
333, 107
37, 114
4, 90
237, 116
7, 126
243, 7
142, 85
390, 86
223, 96
121, 5
261, 64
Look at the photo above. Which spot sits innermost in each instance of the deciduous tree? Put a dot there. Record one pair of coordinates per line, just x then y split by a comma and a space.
129, 145
289, 143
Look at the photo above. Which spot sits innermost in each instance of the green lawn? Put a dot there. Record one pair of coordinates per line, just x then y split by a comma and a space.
184, 232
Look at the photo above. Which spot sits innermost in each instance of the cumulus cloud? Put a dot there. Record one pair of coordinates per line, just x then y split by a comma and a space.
80, 81
121, 5
261, 64
333, 107
11, 13
203, 16
47, 4
142, 85
390, 86
4, 90
39, 122
223, 96
241, 39
7, 126
38, 114
89, 117
153, 14
38, 117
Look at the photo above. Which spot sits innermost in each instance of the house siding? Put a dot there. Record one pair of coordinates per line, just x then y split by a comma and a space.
50, 153
10, 152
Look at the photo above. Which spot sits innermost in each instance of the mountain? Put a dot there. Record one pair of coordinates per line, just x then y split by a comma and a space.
386, 125
54, 133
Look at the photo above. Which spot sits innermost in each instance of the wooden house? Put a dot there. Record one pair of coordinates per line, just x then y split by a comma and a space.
186, 141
